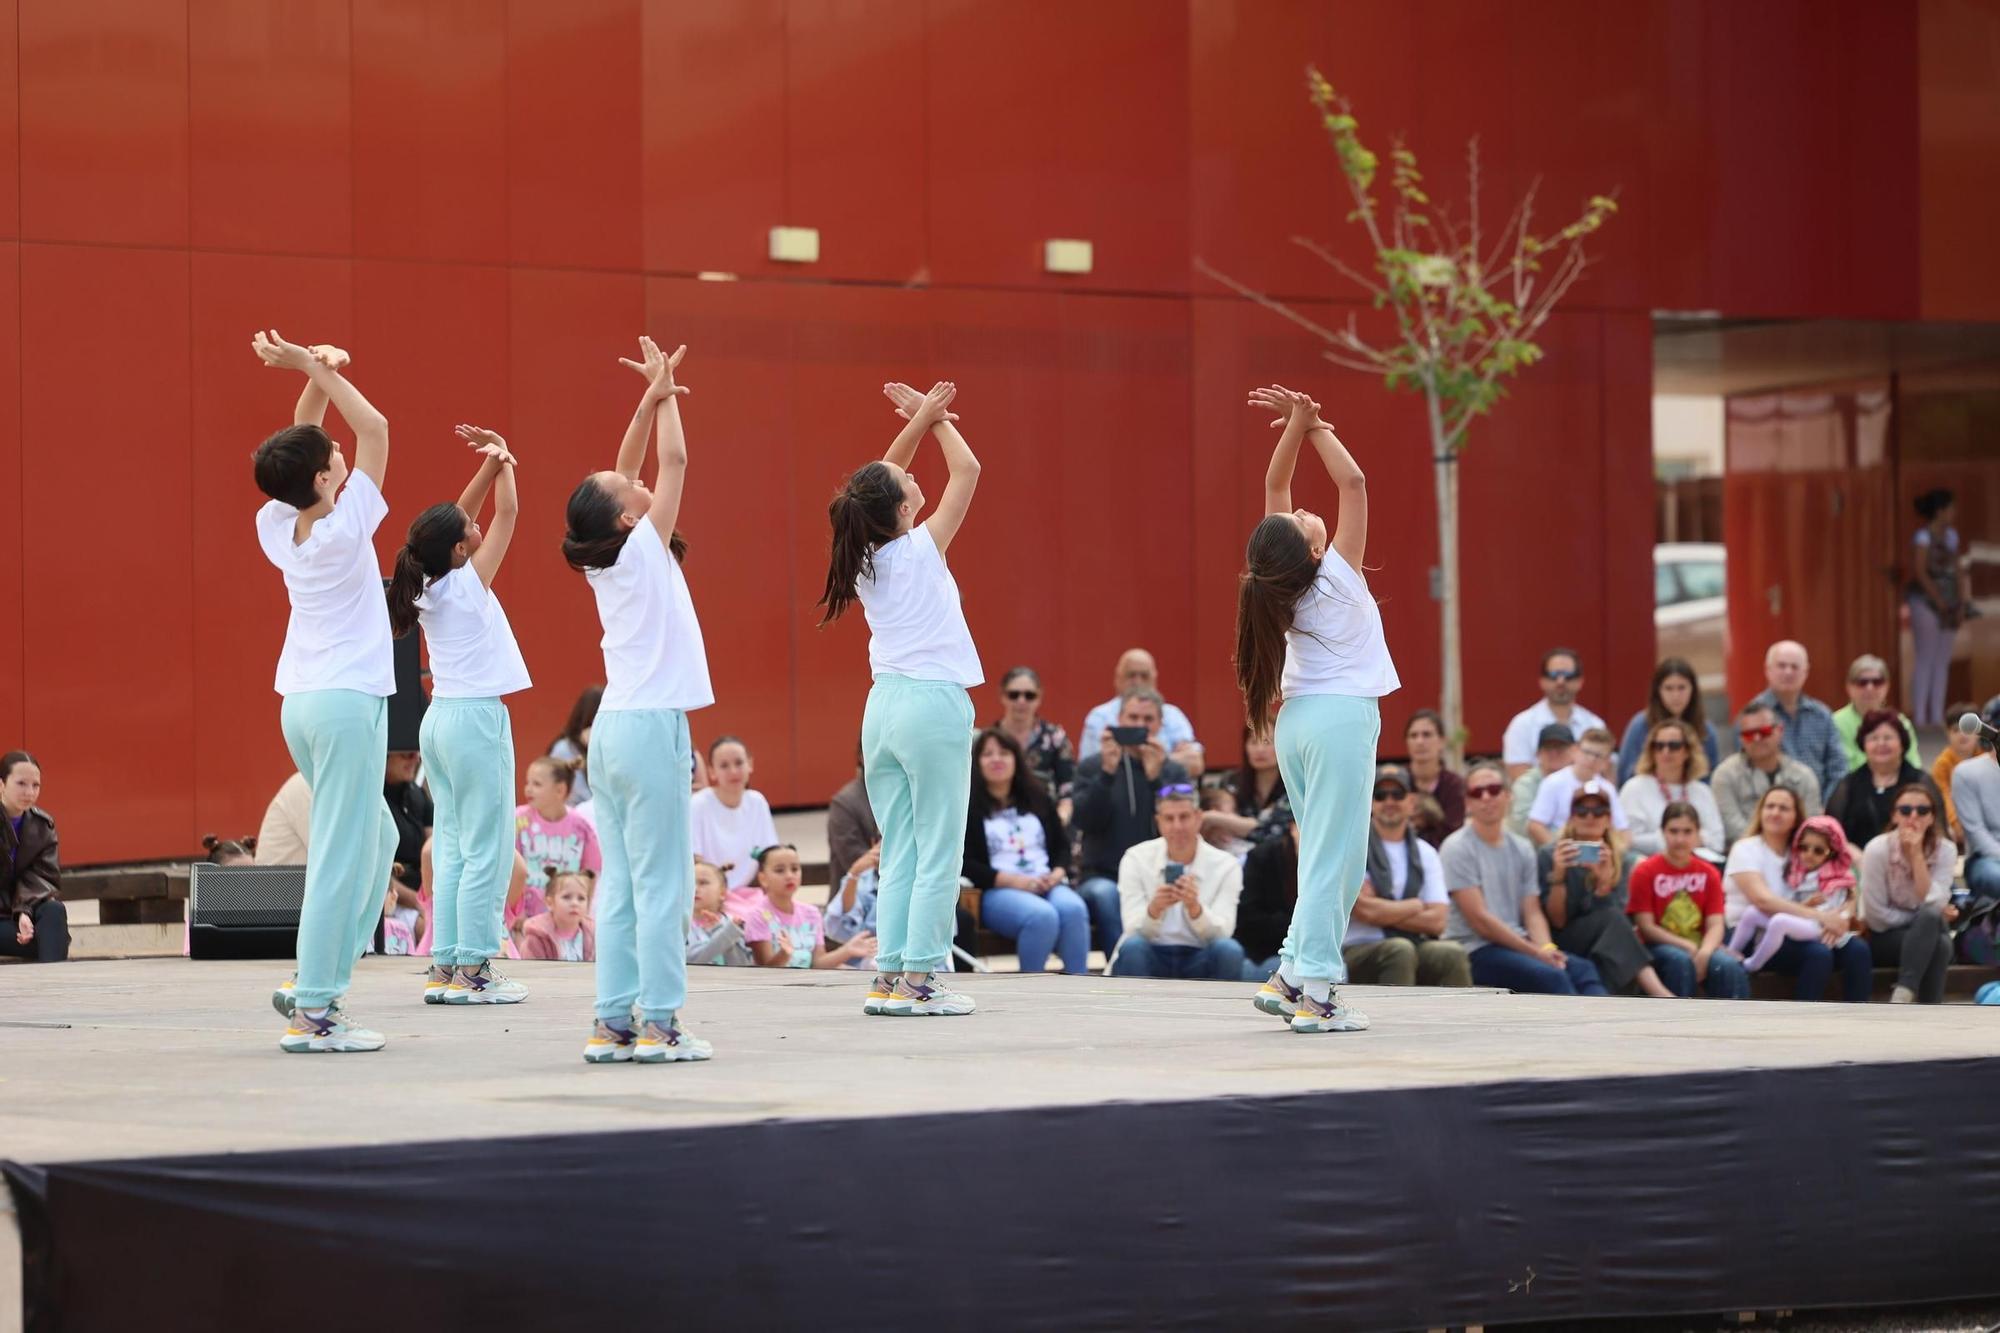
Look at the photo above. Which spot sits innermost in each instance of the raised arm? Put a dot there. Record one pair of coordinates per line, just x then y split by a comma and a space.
1295, 412
909, 404
1350, 535
370, 427
311, 409
658, 370
496, 472
670, 443
934, 413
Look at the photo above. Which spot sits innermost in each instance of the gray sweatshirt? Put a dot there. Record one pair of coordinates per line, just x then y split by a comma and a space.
1975, 794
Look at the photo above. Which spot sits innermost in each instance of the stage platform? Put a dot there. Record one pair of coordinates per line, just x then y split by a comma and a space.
1084, 1152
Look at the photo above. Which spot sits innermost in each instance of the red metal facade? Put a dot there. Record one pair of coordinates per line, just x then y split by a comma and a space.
487, 201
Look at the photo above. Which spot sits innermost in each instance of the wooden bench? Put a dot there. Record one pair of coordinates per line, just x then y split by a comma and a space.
1962, 983
130, 895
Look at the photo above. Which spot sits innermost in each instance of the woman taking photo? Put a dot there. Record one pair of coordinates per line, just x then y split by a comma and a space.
1584, 873
1675, 696
1017, 856
37, 926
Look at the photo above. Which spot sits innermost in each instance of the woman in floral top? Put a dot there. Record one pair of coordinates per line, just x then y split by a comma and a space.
1043, 744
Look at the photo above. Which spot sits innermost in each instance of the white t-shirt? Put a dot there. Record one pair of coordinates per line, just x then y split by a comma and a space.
1016, 842
1335, 644
653, 654
915, 623
1751, 853
338, 635
1518, 746
1398, 853
726, 836
1558, 792
473, 653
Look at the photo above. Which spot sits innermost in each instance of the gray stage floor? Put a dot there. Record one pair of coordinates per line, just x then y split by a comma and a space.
163, 1056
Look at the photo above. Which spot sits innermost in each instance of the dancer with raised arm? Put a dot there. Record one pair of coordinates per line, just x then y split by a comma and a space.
1309, 645
916, 734
621, 537
336, 674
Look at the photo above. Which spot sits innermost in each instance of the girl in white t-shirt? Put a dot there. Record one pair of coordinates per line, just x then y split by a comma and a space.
1308, 634
443, 580
916, 734
336, 674
729, 819
621, 537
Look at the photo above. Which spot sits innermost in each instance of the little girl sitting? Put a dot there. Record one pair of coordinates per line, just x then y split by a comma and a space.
563, 933
784, 932
713, 935
548, 831
1820, 875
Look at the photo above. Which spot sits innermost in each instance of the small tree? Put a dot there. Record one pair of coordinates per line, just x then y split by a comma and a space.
1467, 309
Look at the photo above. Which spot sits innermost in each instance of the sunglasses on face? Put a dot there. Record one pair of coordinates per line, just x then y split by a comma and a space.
1913, 811
1590, 811
1670, 745
1019, 695
1870, 682
1757, 733
1175, 789
1561, 675
1484, 791
1390, 793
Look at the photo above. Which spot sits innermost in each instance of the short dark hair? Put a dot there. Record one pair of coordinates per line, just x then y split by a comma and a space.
1553, 653
1877, 718
287, 463
1933, 502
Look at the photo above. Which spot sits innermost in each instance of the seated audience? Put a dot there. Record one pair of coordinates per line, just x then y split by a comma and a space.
850, 907
1594, 763
1179, 897
1958, 748
1868, 692
1017, 856
1218, 814
1680, 911
1670, 771
1136, 674
1740, 781
31, 870
1809, 734
850, 824
1114, 810
1256, 809
573, 745
1562, 681
410, 806
1264, 909
287, 826
549, 831
1583, 876
1758, 875
563, 932
729, 820
1496, 911
1865, 800
1393, 939
1820, 875
1440, 805
1674, 697
1906, 875
1975, 794
713, 936
784, 932
1044, 744
1555, 750
228, 851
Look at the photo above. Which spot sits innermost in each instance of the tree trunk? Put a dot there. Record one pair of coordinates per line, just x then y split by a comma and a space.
1451, 698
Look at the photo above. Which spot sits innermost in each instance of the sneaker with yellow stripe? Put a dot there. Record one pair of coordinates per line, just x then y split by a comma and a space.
668, 1043
1329, 1015
436, 982
282, 998
1279, 997
879, 991
609, 1043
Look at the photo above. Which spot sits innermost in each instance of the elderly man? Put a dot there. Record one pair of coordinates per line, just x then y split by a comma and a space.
1136, 672
1562, 681
1741, 780
1868, 690
1810, 735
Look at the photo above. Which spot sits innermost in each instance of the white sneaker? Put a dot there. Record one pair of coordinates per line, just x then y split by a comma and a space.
931, 997
608, 1044
1329, 1016
483, 985
436, 982
879, 991
668, 1043
282, 999
331, 1032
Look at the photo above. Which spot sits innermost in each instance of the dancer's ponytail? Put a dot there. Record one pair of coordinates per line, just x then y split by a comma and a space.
863, 516
425, 556
1279, 568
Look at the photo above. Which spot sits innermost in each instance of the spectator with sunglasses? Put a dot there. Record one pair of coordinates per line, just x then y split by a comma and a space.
1562, 681
1496, 907
1741, 780
1671, 768
1867, 692
1864, 801
1584, 875
1044, 745
1906, 875
1403, 909
1809, 735
1594, 763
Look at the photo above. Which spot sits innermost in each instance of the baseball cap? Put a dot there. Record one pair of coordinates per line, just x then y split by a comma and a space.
1395, 773
1555, 735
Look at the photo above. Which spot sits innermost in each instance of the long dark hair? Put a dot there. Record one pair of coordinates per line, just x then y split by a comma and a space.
1027, 792
1932, 834
863, 515
13, 757
425, 558
1694, 714
1245, 788
594, 535
1278, 569
582, 713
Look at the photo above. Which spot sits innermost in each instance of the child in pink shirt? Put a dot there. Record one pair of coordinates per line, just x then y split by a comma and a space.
784, 932
563, 933
548, 832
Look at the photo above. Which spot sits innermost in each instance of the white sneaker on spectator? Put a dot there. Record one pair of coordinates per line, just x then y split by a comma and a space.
931, 997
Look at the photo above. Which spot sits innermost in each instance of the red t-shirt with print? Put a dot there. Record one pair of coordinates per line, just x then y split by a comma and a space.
1680, 898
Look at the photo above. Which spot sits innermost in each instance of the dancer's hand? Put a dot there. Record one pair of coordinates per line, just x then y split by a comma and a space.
272, 349
926, 409
333, 358
658, 369
1287, 403
486, 442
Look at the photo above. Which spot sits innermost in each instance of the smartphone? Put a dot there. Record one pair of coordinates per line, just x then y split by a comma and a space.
1589, 853
1174, 872
1129, 735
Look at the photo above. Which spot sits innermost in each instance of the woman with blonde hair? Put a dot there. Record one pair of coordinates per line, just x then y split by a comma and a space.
1584, 881
1671, 768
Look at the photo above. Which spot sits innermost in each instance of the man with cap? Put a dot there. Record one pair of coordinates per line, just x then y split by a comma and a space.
1555, 750
1562, 681
1595, 753
1403, 907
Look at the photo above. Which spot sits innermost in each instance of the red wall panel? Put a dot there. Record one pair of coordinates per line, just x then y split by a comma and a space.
10, 119
110, 698
430, 153
1958, 143
104, 123
13, 652
268, 112
573, 107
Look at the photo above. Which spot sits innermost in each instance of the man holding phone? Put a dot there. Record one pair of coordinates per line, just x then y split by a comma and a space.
1179, 899
1113, 806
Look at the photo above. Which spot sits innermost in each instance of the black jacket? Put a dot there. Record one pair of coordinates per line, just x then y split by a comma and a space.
979, 867
1863, 812
29, 870
1114, 811
1270, 889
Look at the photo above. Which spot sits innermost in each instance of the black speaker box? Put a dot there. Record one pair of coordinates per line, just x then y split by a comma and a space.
245, 911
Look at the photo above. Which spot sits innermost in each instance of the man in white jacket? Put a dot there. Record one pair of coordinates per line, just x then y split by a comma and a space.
1178, 895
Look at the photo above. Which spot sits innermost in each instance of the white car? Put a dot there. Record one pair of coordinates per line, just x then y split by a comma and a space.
1691, 609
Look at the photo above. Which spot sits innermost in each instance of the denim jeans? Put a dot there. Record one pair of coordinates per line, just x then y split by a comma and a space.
1982, 876
1039, 924
1497, 965
1726, 978
1221, 960
1813, 963
1107, 918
